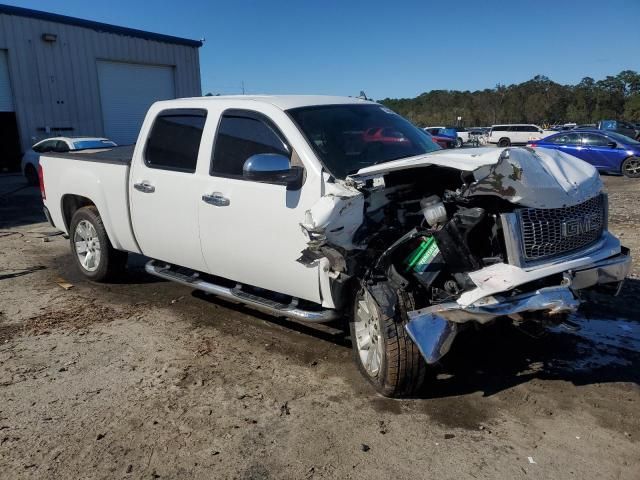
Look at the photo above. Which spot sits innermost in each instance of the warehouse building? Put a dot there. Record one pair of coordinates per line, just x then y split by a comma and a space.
61, 75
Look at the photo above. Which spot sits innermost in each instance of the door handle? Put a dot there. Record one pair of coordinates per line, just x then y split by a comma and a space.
217, 199
144, 187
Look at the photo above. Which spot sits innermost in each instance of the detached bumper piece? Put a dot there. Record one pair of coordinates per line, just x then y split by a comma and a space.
611, 270
434, 328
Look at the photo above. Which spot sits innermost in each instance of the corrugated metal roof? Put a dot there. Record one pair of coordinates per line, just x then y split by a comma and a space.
97, 26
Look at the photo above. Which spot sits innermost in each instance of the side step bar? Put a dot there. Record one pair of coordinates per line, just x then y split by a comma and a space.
237, 295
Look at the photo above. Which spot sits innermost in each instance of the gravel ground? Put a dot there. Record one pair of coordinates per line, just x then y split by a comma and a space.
147, 379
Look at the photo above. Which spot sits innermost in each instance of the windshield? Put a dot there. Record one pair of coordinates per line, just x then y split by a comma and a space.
87, 144
618, 137
350, 137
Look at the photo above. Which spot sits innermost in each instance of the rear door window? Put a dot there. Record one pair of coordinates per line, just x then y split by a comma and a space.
61, 146
44, 147
593, 140
567, 139
243, 134
174, 140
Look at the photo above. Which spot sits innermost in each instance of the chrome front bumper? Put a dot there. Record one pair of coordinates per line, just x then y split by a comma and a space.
434, 328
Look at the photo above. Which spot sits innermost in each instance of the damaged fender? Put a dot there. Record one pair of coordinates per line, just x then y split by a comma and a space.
335, 218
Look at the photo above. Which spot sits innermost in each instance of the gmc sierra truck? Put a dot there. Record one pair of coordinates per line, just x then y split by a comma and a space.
328, 208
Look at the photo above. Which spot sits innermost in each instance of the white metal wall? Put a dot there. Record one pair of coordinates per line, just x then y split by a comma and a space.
127, 90
56, 84
6, 97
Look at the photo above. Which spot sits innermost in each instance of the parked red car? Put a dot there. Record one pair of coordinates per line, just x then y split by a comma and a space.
384, 135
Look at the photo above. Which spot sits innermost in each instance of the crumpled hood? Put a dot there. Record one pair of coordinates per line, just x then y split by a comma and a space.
540, 178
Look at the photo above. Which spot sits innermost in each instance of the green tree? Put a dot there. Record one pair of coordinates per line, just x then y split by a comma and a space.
539, 100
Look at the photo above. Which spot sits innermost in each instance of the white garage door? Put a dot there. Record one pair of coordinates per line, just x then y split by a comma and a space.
126, 92
6, 99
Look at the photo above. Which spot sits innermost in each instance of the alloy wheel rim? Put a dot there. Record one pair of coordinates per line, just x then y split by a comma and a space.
87, 244
368, 335
633, 167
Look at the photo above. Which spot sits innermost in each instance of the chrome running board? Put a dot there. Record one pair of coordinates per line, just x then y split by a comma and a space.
236, 294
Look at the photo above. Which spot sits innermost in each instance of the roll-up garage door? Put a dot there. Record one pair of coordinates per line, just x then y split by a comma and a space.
9, 139
6, 99
126, 92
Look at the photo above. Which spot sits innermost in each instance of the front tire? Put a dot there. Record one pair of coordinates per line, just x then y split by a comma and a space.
459, 142
504, 142
92, 251
385, 354
631, 167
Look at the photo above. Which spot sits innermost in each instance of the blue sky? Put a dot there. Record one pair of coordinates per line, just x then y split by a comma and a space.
386, 48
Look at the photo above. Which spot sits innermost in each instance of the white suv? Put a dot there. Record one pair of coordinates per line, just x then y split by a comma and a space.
512, 134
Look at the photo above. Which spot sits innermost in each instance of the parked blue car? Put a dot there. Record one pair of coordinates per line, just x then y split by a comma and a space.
607, 151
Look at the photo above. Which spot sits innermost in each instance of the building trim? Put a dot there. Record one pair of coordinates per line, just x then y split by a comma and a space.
97, 26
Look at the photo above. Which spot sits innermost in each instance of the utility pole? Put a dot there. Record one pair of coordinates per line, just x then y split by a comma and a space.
243, 87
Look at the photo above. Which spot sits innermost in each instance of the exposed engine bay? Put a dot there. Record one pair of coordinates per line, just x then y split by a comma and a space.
432, 233
418, 233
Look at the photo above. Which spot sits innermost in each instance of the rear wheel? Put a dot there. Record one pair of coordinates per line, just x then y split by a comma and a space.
459, 142
504, 142
631, 167
31, 175
90, 246
382, 349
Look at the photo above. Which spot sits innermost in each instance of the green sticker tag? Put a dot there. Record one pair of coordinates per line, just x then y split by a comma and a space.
421, 257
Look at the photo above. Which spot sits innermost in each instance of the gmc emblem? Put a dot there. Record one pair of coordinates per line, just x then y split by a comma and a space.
577, 226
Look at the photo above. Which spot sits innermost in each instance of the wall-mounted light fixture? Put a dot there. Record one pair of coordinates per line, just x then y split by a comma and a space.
49, 37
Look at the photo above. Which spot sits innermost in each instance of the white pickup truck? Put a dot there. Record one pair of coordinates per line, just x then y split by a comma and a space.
328, 208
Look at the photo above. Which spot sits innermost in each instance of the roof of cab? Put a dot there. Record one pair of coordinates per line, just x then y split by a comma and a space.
283, 102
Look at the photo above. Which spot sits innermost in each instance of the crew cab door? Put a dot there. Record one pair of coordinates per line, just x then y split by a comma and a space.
571, 143
163, 188
250, 231
601, 152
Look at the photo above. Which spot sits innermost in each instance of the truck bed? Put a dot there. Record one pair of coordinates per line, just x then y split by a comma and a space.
118, 155
97, 176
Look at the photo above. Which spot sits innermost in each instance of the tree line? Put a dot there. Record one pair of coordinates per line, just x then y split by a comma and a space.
539, 100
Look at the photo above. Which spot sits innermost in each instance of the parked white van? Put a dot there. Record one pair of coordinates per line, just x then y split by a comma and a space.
516, 133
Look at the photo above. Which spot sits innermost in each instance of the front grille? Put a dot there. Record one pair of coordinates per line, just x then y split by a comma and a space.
547, 233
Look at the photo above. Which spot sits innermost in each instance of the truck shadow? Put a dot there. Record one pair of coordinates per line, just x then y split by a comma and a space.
604, 349
21, 206
135, 274
333, 332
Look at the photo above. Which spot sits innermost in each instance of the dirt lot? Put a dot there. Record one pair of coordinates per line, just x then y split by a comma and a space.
147, 379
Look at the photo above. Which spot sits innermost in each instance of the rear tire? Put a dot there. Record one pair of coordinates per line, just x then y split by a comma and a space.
31, 175
504, 142
91, 249
631, 167
392, 363
459, 142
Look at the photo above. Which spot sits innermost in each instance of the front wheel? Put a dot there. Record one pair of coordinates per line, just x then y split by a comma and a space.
382, 348
504, 142
91, 249
631, 167
459, 142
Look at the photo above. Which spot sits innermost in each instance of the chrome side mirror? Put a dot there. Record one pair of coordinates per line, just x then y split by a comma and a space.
273, 168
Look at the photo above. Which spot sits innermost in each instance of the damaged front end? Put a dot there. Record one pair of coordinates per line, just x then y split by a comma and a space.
518, 237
